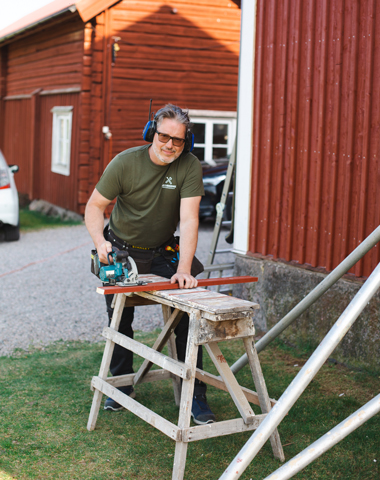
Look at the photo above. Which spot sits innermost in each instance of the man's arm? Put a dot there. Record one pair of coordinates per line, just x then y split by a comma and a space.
94, 220
189, 222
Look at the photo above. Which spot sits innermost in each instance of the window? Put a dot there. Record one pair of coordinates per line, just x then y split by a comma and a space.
61, 142
214, 134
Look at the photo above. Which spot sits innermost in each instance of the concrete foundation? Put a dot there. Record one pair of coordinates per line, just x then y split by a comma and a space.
282, 286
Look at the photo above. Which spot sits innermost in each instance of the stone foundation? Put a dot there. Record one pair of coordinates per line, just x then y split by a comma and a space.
282, 286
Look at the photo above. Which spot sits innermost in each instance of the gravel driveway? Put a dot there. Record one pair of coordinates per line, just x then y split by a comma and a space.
47, 292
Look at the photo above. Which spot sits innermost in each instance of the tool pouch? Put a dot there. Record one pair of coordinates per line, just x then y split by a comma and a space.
143, 259
196, 267
94, 263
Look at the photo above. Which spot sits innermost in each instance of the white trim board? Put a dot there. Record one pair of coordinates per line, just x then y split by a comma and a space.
245, 126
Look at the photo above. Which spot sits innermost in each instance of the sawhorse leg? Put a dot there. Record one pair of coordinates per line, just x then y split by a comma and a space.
186, 396
261, 389
171, 320
172, 350
106, 361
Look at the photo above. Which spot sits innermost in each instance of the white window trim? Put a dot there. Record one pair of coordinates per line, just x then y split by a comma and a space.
245, 135
209, 117
56, 167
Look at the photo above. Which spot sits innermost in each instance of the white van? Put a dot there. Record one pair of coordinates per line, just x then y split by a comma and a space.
9, 209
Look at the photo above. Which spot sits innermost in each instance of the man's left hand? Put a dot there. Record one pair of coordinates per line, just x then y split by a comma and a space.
185, 280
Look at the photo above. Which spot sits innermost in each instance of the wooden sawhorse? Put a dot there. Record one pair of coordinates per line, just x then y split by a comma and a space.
214, 317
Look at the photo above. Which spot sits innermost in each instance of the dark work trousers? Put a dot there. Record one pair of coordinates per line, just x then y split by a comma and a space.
122, 359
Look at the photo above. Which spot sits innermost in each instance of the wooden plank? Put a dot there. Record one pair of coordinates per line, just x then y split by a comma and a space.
160, 342
231, 383
53, 38
159, 63
72, 65
166, 285
217, 382
106, 361
173, 88
227, 427
180, 75
214, 305
187, 308
152, 376
50, 83
186, 397
137, 409
167, 18
258, 378
138, 301
172, 350
230, 316
56, 53
174, 366
187, 55
187, 9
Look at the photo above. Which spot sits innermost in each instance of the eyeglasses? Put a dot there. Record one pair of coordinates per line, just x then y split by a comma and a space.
164, 138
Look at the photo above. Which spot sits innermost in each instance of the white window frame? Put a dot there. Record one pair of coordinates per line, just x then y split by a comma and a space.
60, 164
209, 118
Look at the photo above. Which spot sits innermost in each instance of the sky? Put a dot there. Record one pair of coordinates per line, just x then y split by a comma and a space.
13, 10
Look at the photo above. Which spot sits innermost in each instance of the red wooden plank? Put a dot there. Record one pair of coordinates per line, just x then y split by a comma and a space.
203, 282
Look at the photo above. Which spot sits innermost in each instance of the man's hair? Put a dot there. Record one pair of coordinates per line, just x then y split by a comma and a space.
175, 113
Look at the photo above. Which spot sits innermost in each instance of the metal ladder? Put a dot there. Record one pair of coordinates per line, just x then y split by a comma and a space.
210, 266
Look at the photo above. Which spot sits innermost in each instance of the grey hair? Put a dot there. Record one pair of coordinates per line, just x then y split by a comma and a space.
175, 113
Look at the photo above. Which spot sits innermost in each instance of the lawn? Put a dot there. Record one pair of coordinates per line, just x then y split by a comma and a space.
45, 400
30, 220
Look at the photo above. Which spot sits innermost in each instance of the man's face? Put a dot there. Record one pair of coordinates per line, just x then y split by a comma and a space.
165, 153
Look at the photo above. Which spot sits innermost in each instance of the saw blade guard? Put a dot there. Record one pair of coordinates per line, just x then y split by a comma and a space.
130, 273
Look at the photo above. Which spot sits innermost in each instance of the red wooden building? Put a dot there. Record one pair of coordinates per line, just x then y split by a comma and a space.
308, 162
311, 144
76, 78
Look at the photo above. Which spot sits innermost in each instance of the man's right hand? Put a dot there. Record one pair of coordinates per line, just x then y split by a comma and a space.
103, 249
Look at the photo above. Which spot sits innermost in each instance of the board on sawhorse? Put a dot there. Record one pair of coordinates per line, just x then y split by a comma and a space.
213, 317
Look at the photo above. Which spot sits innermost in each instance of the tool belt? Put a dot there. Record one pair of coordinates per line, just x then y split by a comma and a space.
143, 256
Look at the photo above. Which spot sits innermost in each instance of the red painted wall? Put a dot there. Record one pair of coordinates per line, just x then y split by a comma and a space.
316, 149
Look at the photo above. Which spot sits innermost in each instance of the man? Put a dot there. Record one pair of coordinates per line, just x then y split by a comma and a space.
155, 186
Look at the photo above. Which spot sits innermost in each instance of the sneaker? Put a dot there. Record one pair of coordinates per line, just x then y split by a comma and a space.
111, 404
200, 411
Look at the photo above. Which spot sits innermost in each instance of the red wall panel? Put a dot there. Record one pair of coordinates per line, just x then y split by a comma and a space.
316, 145
56, 188
50, 59
186, 53
17, 140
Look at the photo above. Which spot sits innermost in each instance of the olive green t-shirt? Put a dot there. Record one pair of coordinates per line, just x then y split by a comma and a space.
147, 195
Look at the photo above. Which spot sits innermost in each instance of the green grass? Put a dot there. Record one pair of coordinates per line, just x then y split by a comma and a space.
36, 221
45, 401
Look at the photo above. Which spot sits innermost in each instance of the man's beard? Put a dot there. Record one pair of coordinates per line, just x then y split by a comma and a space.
161, 158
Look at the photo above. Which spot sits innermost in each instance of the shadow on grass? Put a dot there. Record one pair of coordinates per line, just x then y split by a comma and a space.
45, 401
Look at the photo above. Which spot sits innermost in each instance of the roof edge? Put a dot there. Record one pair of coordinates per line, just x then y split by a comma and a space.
21, 27
89, 9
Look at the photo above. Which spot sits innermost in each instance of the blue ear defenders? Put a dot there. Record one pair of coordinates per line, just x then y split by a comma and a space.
151, 128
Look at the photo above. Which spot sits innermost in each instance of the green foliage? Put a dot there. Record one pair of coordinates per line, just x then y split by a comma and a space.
45, 401
36, 221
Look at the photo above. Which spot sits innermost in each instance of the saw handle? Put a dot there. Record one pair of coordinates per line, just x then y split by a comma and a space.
110, 261
121, 255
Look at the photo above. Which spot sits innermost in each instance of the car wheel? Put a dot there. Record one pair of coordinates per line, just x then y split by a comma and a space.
11, 233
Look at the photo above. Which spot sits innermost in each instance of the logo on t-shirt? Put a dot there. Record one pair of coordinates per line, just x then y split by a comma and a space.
169, 183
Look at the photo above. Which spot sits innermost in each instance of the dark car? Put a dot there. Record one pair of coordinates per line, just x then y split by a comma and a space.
213, 181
